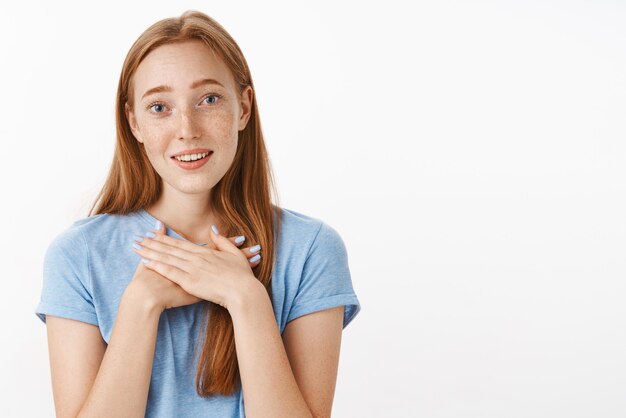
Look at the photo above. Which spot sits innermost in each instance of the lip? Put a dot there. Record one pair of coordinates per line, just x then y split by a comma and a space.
191, 151
192, 165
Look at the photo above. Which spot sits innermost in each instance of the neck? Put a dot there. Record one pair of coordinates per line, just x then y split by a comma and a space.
189, 215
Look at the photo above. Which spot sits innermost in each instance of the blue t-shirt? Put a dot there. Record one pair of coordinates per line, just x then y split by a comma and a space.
88, 266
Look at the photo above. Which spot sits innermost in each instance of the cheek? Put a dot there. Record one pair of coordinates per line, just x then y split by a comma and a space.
155, 147
224, 129
153, 131
154, 144
219, 127
223, 120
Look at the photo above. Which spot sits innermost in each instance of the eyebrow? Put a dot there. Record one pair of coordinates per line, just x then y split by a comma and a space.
194, 85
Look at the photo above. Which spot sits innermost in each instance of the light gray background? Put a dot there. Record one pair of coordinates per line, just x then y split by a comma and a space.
471, 155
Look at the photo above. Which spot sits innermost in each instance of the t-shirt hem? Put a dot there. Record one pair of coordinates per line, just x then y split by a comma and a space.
349, 300
44, 309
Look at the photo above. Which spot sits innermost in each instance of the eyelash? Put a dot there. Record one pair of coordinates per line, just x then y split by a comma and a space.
219, 96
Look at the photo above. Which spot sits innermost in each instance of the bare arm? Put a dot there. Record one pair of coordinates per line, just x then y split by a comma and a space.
121, 387
268, 383
313, 342
76, 349
291, 378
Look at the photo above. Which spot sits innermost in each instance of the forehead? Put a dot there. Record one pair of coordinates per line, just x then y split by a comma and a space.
178, 65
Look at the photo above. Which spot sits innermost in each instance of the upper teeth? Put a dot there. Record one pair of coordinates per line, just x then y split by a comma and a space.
191, 157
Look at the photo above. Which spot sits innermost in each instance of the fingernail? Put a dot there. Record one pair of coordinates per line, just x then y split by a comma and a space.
137, 238
143, 260
150, 234
214, 228
240, 239
158, 224
255, 249
137, 246
255, 258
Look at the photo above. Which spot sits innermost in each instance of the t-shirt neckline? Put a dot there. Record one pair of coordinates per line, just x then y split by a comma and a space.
151, 220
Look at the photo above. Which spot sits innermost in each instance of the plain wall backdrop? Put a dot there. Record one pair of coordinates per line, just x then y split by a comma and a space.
470, 154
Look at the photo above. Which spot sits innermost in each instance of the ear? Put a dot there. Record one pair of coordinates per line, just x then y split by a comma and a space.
245, 106
132, 121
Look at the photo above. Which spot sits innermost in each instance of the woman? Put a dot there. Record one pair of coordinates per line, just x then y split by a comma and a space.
182, 321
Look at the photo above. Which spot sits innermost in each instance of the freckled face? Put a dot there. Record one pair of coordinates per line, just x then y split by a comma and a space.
207, 115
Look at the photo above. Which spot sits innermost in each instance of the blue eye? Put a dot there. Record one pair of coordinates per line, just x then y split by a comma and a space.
156, 104
160, 107
212, 95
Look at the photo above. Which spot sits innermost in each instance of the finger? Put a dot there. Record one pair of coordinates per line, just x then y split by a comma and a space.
222, 243
160, 236
237, 240
252, 251
162, 257
168, 271
254, 261
186, 245
155, 244
160, 228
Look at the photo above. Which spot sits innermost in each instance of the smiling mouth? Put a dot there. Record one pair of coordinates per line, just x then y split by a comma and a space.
206, 155
193, 165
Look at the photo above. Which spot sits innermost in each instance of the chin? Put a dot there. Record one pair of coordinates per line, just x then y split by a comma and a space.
191, 187
194, 189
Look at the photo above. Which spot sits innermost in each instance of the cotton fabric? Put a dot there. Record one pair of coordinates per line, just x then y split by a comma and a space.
88, 266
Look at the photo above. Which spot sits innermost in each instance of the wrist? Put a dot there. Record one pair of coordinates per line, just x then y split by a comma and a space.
134, 296
248, 295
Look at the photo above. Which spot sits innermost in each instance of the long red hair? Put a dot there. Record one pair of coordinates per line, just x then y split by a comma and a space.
241, 199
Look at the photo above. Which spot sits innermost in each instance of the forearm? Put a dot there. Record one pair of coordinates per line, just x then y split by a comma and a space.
121, 386
269, 386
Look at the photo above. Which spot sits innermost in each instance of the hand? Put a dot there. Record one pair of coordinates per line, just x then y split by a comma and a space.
155, 289
221, 275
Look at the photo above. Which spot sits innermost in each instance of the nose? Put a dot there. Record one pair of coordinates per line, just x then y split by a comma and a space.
188, 124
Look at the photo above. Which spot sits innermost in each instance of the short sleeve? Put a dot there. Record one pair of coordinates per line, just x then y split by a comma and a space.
66, 289
326, 281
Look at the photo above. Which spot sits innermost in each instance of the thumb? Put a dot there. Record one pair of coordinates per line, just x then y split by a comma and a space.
222, 243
